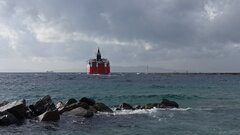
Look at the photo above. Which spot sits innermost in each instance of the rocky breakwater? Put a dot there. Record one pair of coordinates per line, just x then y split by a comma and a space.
165, 103
45, 110
13, 112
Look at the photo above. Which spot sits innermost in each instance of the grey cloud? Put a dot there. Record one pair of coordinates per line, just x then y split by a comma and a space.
163, 33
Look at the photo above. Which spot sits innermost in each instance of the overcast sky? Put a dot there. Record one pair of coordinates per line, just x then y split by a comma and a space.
61, 35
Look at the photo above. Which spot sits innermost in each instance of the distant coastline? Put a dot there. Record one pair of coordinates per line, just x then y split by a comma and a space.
165, 73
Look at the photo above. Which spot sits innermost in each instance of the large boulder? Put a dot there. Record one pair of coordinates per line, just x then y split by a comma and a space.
69, 107
17, 108
73, 106
84, 105
7, 118
49, 116
71, 101
88, 101
43, 105
79, 112
92, 109
168, 104
101, 107
125, 106
164, 104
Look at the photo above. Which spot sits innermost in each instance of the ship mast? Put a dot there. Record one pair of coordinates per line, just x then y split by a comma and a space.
98, 55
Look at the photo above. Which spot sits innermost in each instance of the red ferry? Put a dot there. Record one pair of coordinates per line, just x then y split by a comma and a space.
98, 65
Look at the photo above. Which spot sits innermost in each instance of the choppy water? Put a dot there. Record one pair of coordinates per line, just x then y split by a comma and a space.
209, 104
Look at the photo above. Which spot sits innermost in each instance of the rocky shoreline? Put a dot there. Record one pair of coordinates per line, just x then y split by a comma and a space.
45, 110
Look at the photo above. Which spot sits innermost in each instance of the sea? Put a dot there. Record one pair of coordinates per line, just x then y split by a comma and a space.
209, 104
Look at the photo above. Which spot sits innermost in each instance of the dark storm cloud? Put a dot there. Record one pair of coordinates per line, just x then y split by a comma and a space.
171, 34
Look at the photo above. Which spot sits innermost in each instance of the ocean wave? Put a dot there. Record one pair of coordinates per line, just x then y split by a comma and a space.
155, 86
219, 108
181, 96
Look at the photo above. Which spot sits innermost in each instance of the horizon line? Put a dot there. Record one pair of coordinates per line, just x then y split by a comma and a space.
122, 72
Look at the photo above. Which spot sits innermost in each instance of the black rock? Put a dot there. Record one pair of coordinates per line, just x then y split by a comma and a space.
32, 109
164, 104
137, 107
125, 106
73, 106
49, 116
71, 101
60, 105
29, 114
92, 109
68, 108
79, 112
84, 105
7, 118
17, 108
3, 103
43, 105
168, 104
151, 105
89, 101
101, 107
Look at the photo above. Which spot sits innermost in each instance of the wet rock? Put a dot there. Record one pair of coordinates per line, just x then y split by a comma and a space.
164, 104
29, 114
151, 105
68, 108
168, 104
89, 101
60, 105
92, 109
3, 103
49, 116
84, 105
79, 112
7, 118
101, 107
31, 107
137, 107
17, 108
42, 105
73, 106
125, 106
71, 101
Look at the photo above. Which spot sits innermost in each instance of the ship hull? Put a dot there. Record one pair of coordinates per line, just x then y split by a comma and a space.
98, 68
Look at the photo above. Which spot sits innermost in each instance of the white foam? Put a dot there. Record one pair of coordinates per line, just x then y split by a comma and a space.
138, 111
144, 111
180, 109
